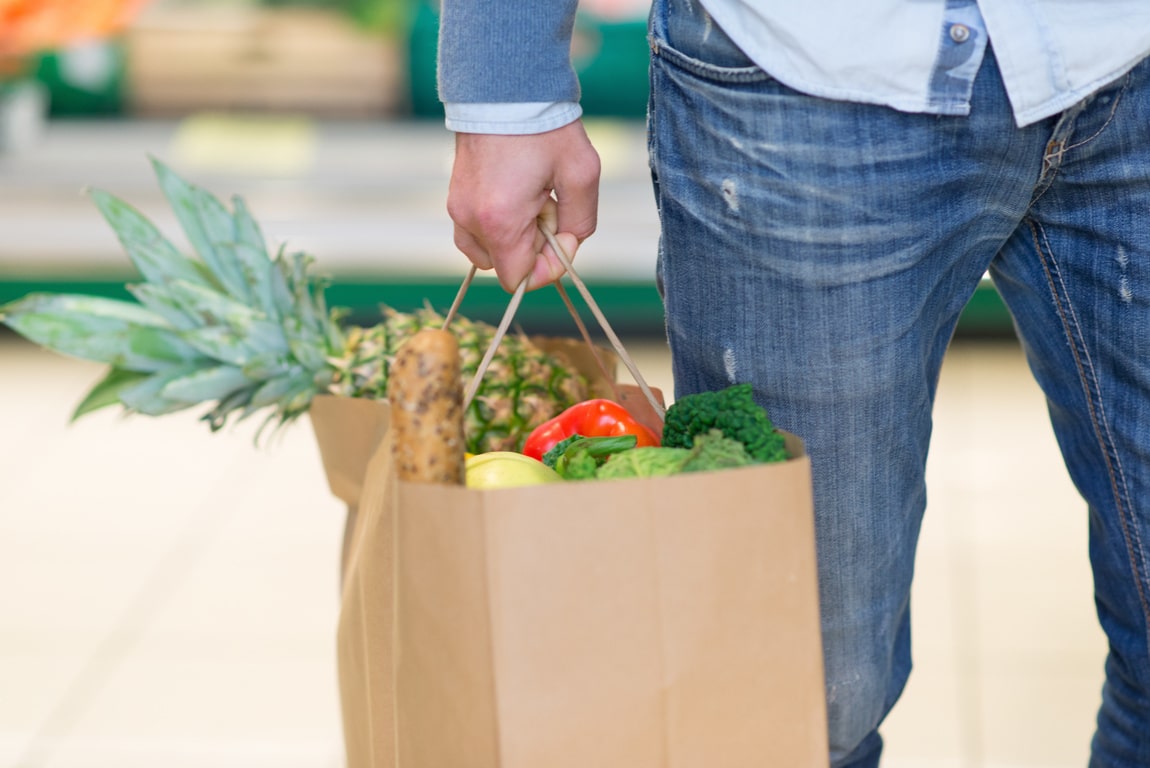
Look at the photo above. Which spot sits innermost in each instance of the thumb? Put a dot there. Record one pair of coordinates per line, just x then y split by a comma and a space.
548, 266
549, 216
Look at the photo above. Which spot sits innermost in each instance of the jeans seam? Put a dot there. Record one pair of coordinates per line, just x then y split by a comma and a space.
1135, 551
1105, 125
1051, 164
670, 56
1056, 150
1046, 182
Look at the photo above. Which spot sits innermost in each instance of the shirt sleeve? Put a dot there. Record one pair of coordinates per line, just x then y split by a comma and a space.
510, 118
500, 51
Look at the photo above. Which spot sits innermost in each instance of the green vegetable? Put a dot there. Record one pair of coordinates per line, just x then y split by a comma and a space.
714, 450
734, 412
711, 451
577, 457
644, 462
558, 450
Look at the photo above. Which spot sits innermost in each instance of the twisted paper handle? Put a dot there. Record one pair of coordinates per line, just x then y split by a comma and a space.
513, 307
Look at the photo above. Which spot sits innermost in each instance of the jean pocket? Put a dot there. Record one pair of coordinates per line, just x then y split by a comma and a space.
683, 35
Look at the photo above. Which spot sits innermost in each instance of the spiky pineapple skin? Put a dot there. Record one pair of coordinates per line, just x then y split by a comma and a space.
523, 386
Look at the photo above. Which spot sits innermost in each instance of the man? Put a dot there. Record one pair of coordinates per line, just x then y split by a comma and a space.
833, 179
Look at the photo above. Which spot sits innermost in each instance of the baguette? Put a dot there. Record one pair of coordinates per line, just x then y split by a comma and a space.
426, 394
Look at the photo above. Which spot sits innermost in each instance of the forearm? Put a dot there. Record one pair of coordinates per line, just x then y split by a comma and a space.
505, 68
518, 51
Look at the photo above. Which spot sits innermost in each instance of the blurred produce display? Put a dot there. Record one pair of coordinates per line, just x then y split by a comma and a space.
31, 31
388, 17
29, 27
288, 57
326, 58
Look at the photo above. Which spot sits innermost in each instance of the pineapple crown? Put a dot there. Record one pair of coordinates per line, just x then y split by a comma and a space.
231, 325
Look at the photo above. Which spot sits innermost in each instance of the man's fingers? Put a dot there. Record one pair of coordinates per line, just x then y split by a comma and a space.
537, 259
513, 256
500, 184
543, 265
578, 194
513, 259
471, 248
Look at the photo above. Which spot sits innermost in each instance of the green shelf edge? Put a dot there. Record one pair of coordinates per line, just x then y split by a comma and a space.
633, 307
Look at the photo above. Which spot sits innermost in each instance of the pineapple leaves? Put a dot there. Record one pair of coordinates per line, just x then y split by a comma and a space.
239, 347
206, 384
250, 252
155, 297
279, 389
218, 416
154, 348
208, 226
78, 305
280, 286
303, 345
210, 308
247, 229
312, 321
147, 396
308, 334
269, 365
155, 257
225, 323
107, 391
259, 274
118, 333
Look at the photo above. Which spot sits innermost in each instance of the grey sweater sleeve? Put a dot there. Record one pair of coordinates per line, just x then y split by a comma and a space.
494, 51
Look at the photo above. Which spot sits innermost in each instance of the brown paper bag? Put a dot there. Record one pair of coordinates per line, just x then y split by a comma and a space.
633, 623
348, 432
639, 623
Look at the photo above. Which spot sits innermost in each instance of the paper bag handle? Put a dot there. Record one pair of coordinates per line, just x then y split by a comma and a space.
513, 307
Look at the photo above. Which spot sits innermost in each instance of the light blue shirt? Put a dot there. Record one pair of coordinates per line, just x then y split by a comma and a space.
911, 55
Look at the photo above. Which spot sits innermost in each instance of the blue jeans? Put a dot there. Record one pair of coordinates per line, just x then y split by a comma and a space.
823, 251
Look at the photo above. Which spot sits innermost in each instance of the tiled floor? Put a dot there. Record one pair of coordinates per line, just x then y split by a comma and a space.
1008, 652
168, 596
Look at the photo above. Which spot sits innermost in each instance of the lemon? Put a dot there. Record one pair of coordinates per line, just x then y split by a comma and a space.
507, 469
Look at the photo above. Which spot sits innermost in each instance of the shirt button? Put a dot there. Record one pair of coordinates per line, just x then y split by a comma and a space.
959, 33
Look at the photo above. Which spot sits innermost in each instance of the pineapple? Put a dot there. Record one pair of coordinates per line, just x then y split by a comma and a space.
250, 333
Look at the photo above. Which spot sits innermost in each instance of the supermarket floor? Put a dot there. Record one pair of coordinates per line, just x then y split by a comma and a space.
168, 596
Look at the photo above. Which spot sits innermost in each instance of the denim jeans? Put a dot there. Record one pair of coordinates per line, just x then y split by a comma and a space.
823, 251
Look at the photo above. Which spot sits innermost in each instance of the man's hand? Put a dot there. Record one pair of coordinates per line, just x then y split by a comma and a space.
501, 184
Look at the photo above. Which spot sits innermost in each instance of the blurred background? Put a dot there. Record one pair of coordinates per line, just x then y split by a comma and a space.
323, 114
168, 596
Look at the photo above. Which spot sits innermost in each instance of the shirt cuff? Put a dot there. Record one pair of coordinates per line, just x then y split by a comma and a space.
510, 118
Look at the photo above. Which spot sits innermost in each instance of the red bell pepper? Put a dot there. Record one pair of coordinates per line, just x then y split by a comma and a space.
591, 418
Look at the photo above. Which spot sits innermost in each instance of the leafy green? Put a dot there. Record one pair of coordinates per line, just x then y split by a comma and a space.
558, 449
578, 457
713, 450
649, 461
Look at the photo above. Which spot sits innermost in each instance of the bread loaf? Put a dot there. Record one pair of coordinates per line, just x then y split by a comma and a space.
426, 394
